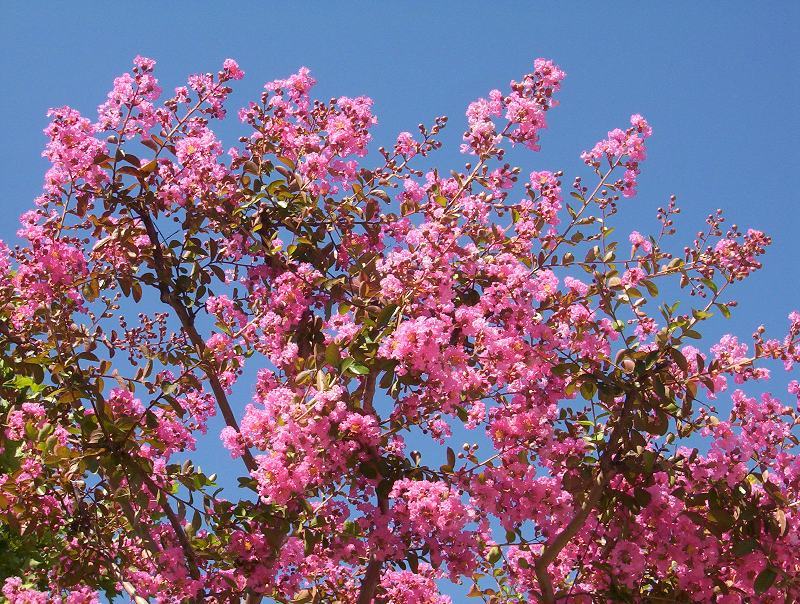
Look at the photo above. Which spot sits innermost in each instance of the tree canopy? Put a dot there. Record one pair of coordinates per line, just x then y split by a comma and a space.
383, 303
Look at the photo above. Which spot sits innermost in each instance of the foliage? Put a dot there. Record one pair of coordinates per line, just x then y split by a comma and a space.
380, 306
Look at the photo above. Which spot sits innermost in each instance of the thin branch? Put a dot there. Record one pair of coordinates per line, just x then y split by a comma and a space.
164, 285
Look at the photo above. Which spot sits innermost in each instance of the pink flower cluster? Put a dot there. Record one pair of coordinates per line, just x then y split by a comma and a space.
432, 515
524, 110
15, 592
308, 441
129, 109
318, 139
53, 268
72, 151
622, 147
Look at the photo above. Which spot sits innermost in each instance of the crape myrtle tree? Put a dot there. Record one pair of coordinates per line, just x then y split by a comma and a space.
380, 306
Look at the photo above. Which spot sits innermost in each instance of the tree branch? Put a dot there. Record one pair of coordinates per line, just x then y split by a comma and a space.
129, 589
164, 274
372, 575
605, 473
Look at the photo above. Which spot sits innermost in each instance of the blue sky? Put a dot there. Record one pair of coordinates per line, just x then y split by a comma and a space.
719, 82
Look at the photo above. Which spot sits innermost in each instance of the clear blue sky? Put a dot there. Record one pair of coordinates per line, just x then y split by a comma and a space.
719, 82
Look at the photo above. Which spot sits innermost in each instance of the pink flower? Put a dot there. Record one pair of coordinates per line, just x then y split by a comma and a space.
638, 240
231, 71
72, 151
625, 148
406, 145
232, 441
576, 285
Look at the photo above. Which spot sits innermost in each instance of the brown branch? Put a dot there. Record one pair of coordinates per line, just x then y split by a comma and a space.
192, 564
129, 589
552, 550
604, 475
164, 274
180, 534
370, 582
372, 575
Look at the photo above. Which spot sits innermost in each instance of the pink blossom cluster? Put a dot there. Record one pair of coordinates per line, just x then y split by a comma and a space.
380, 307
72, 150
625, 148
16, 593
524, 110
432, 515
131, 101
319, 139
53, 269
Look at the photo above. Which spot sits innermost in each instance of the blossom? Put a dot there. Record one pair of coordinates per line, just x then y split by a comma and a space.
637, 240
231, 70
624, 148
381, 306
72, 150
129, 108
406, 145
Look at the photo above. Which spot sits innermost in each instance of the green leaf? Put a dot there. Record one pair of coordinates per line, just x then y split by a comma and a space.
723, 308
642, 496
197, 521
368, 470
764, 580
358, 369
651, 287
588, 390
710, 284
743, 548
451, 457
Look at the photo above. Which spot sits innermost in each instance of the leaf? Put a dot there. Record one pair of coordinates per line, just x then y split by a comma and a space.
642, 496
723, 308
129, 170
679, 359
136, 290
721, 517
780, 517
764, 580
380, 195
149, 167
493, 555
303, 596
451, 457
659, 425
588, 390
197, 521
358, 369
651, 287
710, 284
320, 381
368, 470
743, 548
